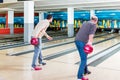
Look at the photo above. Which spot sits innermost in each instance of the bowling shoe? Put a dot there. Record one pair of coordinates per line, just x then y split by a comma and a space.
84, 78
36, 68
88, 72
43, 63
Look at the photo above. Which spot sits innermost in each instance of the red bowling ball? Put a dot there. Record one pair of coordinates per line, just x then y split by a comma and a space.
88, 49
34, 41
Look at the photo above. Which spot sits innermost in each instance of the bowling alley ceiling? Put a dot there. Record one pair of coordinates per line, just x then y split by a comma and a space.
62, 5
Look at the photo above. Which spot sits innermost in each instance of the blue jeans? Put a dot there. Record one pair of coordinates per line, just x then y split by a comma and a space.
37, 53
83, 56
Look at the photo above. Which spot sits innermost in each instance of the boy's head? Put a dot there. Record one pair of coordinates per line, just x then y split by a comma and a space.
49, 17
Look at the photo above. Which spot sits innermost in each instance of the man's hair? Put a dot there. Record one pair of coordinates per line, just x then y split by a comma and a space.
49, 16
95, 18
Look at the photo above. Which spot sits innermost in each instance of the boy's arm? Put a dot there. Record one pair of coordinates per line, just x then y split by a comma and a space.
46, 35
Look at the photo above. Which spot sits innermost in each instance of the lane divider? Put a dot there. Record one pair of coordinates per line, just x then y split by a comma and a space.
51, 46
68, 51
100, 57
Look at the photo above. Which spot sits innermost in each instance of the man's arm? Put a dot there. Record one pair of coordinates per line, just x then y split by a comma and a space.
90, 40
91, 34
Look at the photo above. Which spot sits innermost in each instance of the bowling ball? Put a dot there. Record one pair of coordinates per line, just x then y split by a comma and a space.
88, 49
34, 41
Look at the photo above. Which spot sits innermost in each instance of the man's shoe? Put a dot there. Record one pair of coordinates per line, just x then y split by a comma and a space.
88, 72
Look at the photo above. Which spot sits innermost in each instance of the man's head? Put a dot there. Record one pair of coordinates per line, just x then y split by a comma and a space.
94, 19
49, 18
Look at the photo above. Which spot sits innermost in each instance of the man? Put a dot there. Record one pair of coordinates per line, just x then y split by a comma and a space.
39, 32
85, 36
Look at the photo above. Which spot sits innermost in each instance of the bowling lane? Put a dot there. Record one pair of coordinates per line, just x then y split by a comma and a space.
53, 50
21, 65
50, 50
74, 57
17, 49
104, 45
104, 37
112, 62
58, 49
30, 47
110, 68
9, 66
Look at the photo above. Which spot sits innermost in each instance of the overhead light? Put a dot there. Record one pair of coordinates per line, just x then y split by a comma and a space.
112, 14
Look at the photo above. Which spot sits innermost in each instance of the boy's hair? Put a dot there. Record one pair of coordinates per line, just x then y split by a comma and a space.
49, 16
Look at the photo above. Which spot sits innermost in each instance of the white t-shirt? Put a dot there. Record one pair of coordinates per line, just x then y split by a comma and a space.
43, 24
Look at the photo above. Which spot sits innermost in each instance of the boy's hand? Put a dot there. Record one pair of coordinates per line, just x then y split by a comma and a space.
49, 38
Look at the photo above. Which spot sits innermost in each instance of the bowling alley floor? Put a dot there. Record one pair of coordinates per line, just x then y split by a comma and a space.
59, 68
18, 68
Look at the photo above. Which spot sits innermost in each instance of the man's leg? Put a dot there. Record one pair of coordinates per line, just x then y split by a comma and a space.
83, 56
86, 71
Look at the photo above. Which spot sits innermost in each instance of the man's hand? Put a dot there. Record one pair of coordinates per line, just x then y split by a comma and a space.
89, 43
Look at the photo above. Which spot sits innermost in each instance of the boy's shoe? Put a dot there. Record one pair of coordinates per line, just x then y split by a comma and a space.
85, 78
43, 63
36, 68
